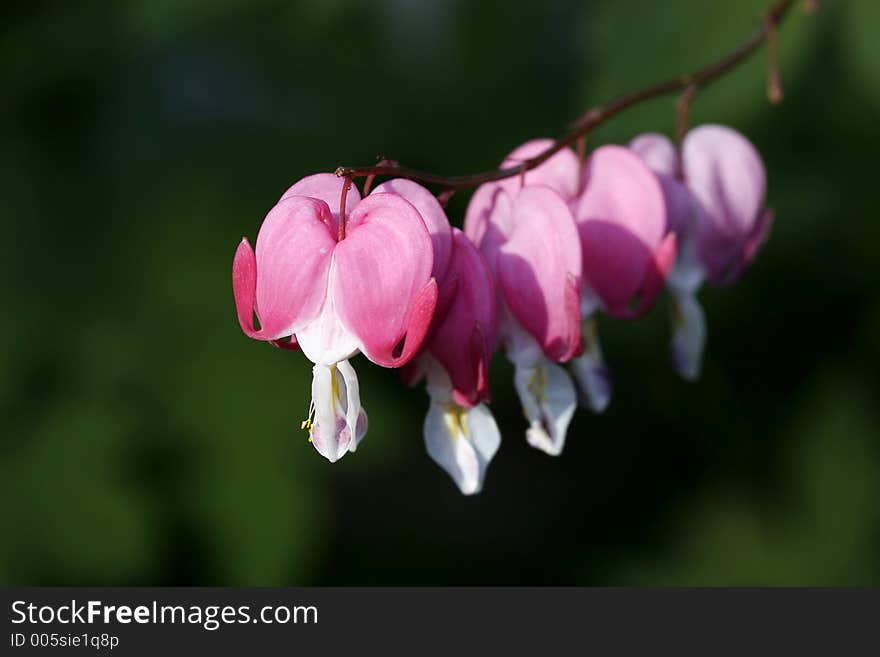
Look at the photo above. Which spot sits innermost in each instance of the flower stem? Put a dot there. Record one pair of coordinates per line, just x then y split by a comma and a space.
593, 118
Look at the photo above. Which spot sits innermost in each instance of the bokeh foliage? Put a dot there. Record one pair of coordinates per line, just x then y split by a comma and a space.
145, 440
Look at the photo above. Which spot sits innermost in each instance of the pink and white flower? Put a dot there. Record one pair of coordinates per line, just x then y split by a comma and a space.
619, 211
715, 197
528, 237
372, 292
621, 219
461, 435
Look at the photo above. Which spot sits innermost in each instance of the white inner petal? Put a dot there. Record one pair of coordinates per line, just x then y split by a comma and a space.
325, 340
548, 398
336, 420
688, 335
462, 441
688, 273
593, 377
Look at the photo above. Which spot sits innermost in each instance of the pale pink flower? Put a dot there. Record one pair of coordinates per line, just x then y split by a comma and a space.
621, 218
715, 197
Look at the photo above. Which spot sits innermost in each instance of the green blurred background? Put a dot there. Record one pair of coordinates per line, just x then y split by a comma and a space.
145, 440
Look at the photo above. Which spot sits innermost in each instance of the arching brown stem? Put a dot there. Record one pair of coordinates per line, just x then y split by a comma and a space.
596, 116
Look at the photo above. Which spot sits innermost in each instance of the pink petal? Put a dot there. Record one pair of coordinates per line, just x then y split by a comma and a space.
621, 218
757, 238
328, 188
382, 286
462, 342
413, 371
489, 221
658, 271
421, 315
615, 263
539, 271
746, 254
479, 212
286, 282
446, 293
432, 214
287, 345
561, 172
726, 174
717, 251
481, 355
657, 151
244, 287
679, 204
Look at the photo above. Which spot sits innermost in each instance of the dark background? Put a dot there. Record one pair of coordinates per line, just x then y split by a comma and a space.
146, 440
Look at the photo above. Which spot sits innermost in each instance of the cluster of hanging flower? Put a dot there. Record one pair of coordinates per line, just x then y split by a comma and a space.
539, 256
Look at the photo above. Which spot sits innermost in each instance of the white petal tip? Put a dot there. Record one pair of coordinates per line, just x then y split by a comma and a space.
689, 337
462, 442
597, 403
595, 385
540, 440
690, 372
331, 458
471, 490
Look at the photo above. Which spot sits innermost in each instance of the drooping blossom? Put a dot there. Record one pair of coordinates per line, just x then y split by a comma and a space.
541, 253
621, 219
528, 237
563, 173
619, 211
715, 196
461, 435
371, 292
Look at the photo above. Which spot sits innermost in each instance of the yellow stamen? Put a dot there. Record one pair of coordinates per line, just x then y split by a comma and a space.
456, 422
538, 384
589, 333
309, 422
334, 388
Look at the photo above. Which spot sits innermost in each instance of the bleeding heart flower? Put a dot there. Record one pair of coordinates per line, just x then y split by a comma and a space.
724, 172
715, 199
530, 241
371, 292
460, 433
621, 219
